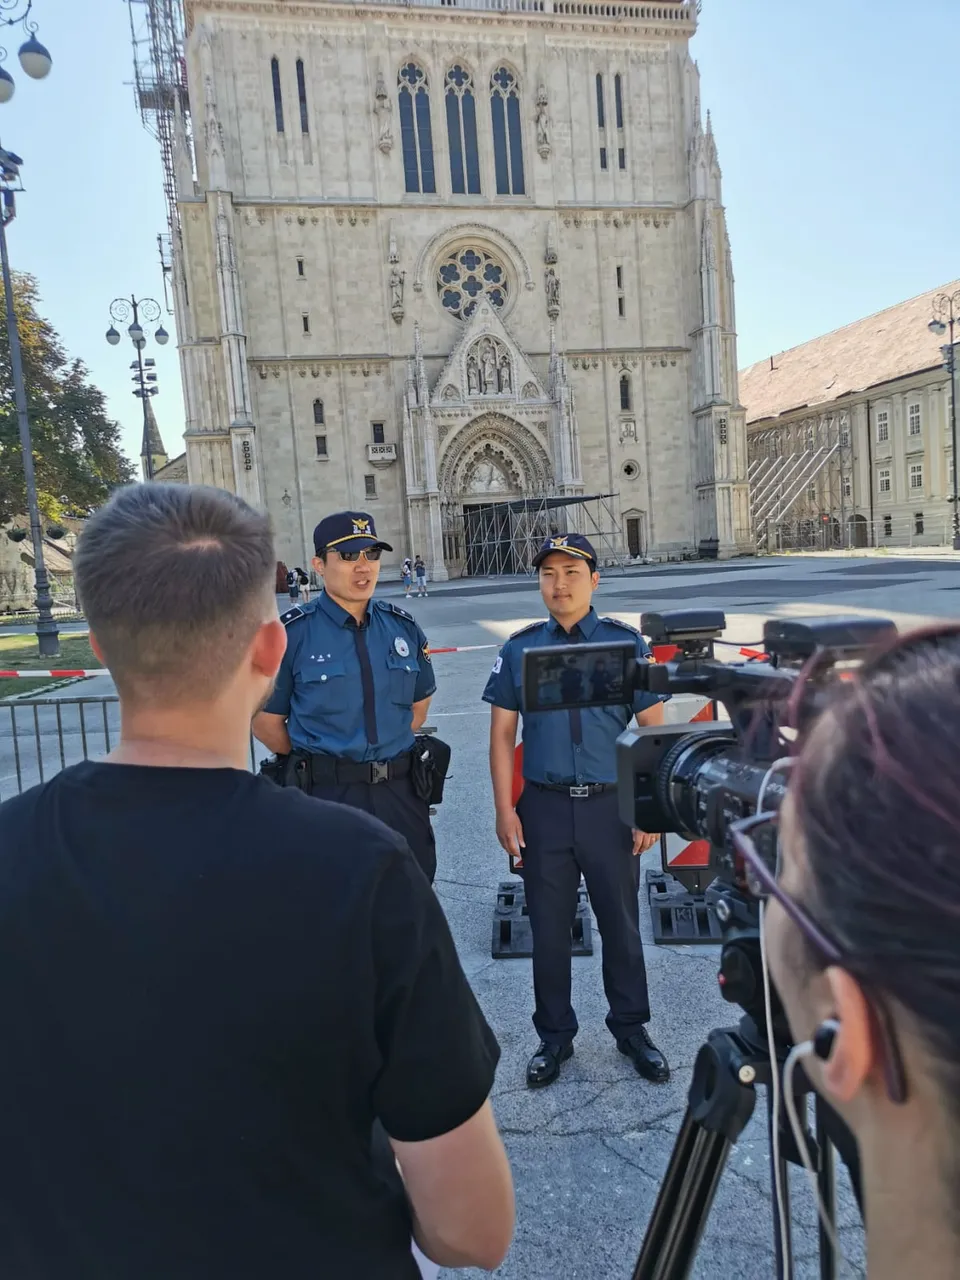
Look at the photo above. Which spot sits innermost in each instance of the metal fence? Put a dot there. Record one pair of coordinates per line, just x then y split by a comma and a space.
41, 736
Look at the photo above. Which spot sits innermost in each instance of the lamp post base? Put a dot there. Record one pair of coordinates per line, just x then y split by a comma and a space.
48, 634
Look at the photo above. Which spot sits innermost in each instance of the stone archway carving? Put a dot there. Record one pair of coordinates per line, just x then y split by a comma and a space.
502, 449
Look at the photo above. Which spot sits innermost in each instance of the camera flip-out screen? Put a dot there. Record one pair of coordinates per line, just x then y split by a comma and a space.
561, 677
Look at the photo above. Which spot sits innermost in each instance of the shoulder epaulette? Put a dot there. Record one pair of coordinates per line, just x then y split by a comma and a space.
394, 608
292, 615
618, 623
531, 626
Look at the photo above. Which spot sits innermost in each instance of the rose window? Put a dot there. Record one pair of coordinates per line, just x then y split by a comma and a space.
466, 276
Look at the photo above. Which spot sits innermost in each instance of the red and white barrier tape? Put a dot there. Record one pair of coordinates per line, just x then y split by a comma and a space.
12, 675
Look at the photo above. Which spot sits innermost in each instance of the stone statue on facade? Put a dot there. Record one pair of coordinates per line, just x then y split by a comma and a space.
488, 361
473, 376
396, 294
543, 124
505, 383
383, 109
552, 285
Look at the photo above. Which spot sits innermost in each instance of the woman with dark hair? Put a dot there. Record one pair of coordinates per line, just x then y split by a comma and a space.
862, 932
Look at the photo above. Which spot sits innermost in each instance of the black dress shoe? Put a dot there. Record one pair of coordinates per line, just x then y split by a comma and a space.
646, 1057
544, 1067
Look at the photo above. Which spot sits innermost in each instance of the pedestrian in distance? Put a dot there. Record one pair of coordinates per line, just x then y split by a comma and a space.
420, 569
215, 991
293, 585
406, 576
566, 822
353, 688
304, 581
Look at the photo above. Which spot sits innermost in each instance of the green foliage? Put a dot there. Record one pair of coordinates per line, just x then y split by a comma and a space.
75, 446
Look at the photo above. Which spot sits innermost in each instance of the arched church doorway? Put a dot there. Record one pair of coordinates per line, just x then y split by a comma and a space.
494, 474
857, 530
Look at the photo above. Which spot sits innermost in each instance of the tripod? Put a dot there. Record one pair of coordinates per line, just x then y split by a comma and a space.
720, 1102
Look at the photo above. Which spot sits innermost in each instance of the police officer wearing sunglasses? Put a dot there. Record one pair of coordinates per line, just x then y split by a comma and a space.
353, 688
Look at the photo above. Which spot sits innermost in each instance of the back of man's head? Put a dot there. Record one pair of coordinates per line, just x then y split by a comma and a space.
175, 581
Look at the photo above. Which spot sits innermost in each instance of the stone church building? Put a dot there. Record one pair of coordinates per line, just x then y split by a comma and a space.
433, 256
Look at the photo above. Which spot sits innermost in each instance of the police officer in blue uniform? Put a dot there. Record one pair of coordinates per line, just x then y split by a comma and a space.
354, 687
567, 821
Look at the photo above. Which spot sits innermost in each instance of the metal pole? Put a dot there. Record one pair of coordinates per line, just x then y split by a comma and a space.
953, 433
48, 636
145, 449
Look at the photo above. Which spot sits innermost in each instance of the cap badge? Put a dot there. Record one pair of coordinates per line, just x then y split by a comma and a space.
361, 526
558, 542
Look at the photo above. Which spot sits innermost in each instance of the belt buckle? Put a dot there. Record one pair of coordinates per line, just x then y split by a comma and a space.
380, 771
579, 793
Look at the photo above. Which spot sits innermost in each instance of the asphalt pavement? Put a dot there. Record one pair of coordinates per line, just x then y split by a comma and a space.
588, 1153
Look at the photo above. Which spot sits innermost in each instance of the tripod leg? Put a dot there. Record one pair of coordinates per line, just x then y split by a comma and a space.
683, 1203
827, 1187
782, 1242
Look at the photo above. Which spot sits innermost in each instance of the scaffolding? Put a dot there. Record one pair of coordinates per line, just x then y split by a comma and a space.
160, 83
801, 484
503, 537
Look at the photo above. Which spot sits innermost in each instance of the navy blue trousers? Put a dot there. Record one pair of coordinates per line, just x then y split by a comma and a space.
566, 837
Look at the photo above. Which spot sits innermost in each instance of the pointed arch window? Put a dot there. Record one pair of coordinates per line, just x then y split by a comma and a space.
318, 413
462, 132
507, 140
302, 96
624, 393
277, 93
415, 133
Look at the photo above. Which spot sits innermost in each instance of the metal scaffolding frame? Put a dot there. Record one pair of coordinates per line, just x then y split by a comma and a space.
503, 537
801, 475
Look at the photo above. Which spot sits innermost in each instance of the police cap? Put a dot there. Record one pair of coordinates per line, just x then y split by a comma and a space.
571, 544
347, 531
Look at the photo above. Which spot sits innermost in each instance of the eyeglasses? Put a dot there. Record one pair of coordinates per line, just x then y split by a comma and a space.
749, 836
371, 553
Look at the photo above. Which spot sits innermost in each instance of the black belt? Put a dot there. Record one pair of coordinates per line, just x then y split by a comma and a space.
578, 791
333, 769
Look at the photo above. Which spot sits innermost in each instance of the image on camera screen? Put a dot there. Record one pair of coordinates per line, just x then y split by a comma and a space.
590, 675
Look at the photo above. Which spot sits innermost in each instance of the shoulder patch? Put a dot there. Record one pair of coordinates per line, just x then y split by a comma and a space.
390, 607
531, 626
616, 622
292, 615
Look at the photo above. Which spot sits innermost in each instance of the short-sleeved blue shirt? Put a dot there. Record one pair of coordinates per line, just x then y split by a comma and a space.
550, 753
320, 685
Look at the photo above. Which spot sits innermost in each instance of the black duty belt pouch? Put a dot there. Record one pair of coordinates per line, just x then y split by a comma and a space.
275, 768
297, 772
430, 761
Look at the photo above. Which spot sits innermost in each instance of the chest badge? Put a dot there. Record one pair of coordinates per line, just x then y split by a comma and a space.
401, 646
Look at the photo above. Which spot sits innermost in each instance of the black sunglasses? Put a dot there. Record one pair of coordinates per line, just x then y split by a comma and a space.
370, 553
749, 836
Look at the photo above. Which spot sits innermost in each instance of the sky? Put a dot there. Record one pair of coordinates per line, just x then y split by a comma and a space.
835, 123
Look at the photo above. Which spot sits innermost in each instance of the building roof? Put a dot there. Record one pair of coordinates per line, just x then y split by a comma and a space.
868, 352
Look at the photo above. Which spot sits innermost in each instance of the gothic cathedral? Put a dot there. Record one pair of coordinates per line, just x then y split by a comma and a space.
434, 255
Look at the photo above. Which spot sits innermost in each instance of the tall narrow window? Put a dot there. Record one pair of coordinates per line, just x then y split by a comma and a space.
507, 142
913, 414
377, 430
601, 115
415, 133
622, 157
618, 99
305, 320
321, 446
624, 392
621, 299
277, 93
318, 412
302, 95
300, 269
883, 426
462, 133
369, 486
603, 157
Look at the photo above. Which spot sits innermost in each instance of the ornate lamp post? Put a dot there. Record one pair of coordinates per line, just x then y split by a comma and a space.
946, 313
36, 63
144, 377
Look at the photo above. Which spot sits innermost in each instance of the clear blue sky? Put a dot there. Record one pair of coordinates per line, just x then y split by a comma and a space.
835, 128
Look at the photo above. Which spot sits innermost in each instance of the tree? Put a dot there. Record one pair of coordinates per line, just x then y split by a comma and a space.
75, 445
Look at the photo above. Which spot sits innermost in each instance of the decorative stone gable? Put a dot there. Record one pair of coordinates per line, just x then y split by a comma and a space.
486, 365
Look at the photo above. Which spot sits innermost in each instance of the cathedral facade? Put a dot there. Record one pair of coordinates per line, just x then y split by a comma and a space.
437, 256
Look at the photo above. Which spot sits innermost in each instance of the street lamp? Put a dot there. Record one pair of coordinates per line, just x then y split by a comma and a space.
34, 58
144, 375
946, 313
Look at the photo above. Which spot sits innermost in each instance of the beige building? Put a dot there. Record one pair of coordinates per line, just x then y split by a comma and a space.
849, 435
428, 257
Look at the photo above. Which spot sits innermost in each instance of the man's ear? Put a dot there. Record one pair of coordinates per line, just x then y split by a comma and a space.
595, 579
269, 646
318, 565
95, 646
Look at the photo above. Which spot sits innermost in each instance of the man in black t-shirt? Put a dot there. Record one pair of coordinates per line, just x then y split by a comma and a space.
229, 1010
